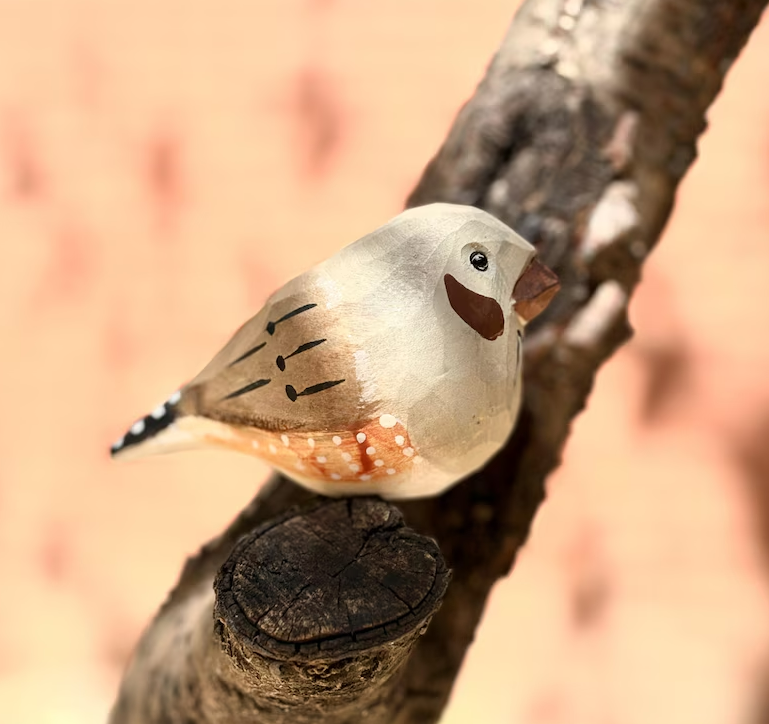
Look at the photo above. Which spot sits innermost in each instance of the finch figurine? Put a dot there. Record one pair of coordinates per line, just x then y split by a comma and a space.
392, 368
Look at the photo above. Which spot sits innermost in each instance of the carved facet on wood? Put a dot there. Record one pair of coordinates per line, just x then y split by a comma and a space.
392, 368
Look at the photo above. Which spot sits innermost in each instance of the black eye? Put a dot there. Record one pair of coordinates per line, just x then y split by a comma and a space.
479, 261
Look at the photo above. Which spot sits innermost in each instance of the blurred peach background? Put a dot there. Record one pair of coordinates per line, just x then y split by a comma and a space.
164, 166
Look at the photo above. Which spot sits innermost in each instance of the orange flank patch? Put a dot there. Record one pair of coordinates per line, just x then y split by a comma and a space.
379, 450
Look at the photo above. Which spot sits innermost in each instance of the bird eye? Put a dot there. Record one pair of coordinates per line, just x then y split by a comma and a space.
479, 260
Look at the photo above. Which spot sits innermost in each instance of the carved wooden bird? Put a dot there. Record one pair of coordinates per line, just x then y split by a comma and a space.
392, 368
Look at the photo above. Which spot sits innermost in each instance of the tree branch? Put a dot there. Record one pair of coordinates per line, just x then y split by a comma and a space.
577, 137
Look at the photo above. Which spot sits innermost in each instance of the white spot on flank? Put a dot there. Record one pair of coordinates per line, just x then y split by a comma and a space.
299, 465
387, 421
408, 451
138, 427
175, 397
273, 449
391, 471
311, 442
417, 459
370, 451
354, 467
159, 411
399, 440
346, 457
365, 477
336, 440
321, 459
361, 437
284, 439
379, 463
336, 476
255, 443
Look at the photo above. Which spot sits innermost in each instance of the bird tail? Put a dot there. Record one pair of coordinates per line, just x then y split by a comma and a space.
155, 433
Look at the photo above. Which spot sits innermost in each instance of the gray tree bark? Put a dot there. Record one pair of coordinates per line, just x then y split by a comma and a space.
578, 136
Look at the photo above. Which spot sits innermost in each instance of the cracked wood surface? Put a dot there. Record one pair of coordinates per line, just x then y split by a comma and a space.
578, 136
315, 613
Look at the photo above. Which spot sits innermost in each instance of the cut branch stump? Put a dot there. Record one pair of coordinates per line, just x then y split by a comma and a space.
315, 613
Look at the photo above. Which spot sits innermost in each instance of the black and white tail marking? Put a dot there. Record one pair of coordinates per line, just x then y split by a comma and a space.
160, 418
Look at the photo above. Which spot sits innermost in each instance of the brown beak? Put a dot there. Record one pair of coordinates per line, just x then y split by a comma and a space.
534, 290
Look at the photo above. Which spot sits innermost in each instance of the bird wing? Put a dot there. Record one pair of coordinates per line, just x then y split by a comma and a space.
289, 368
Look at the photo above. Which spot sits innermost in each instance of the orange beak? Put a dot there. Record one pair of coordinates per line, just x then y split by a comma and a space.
534, 290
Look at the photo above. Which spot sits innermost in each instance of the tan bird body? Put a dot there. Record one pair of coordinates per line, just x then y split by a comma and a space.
392, 368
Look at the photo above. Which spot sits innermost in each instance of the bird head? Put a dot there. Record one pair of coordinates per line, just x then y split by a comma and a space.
489, 274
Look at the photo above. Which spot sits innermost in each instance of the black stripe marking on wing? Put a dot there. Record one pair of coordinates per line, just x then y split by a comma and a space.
248, 388
245, 355
271, 325
292, 394
281, 361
